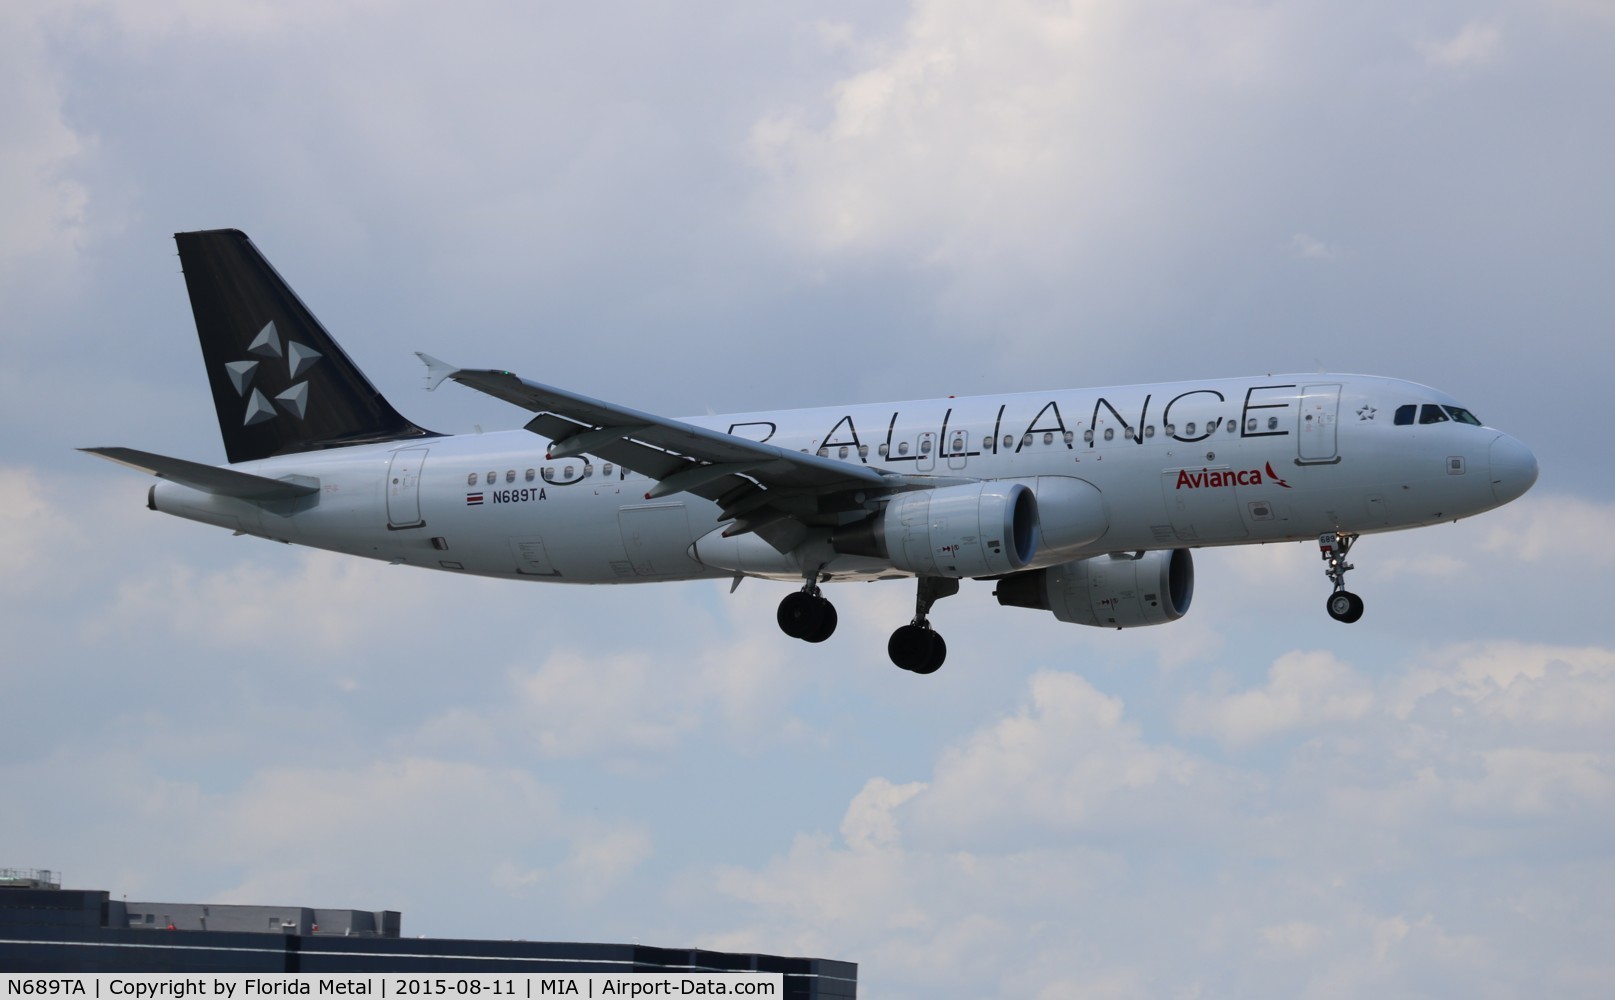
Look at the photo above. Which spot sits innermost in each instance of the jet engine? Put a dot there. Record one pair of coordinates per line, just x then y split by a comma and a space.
1121, 590
976, 529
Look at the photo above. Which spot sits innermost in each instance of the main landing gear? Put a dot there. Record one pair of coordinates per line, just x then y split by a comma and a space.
1343, 605
916, 646
807, 615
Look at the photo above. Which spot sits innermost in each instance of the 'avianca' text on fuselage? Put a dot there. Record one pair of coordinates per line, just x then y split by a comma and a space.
1083, 503
1219, 478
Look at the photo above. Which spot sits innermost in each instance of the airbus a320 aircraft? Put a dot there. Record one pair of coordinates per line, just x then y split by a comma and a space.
1084, 502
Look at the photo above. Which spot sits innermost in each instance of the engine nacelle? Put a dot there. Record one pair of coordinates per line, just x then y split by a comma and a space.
1114, 591
1071, 517
977, 529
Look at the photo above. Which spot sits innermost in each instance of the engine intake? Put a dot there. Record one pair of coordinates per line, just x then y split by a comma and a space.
977, 529
1114, 591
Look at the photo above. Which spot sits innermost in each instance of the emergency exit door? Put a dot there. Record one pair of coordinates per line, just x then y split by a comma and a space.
1320, 411
404, 488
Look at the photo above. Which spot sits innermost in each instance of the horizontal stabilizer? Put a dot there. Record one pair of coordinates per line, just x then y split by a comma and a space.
208, 478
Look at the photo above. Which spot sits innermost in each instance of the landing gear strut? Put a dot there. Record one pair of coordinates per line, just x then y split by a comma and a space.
916, 646
806, 614
1343, 605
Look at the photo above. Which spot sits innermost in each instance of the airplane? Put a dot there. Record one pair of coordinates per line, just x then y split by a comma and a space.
1085, 503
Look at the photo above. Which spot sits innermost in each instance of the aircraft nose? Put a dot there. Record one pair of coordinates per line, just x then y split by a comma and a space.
1514, 468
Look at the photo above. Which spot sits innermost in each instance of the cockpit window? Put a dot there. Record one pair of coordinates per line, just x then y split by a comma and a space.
1432, 414
1404, 414
1462, 415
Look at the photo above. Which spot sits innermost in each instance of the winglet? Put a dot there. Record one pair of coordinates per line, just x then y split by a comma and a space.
436, 371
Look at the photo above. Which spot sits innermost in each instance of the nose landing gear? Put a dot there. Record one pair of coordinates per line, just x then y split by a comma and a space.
1343, 605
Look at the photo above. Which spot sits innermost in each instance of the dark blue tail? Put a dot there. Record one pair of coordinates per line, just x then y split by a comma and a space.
280, 383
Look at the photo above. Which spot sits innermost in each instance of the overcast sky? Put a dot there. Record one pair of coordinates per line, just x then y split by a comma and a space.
734, 206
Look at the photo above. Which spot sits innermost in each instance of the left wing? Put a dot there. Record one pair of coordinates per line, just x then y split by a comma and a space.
756, 484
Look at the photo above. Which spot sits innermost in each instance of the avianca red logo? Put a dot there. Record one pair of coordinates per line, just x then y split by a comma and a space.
1213, 479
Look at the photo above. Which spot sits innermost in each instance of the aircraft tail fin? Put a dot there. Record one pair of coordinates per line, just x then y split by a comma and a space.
280, 383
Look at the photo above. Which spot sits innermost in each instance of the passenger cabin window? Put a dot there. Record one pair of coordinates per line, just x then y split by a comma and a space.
510, 475
491, 477
1430, 413
531, 473
1404, 414
471, 480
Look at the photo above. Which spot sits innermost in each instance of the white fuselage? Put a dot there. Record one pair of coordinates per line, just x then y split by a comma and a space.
1178, 465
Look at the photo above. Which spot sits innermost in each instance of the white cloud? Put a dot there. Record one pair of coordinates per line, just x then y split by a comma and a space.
1309, 247
1552, 529
43, 206
33, 531
1311, 868
322, 603
870, 824
1303, 691
733, 679
947, 130
1522, 684
1476, 44
1067, 761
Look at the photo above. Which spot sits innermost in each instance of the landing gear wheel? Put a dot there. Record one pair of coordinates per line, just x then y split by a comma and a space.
1345, 606
808, 617
917, 648
827, 622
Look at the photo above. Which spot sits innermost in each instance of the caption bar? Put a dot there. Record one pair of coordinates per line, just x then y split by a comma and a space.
256, 986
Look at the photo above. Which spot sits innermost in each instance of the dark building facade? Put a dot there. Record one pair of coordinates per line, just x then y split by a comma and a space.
80, 930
